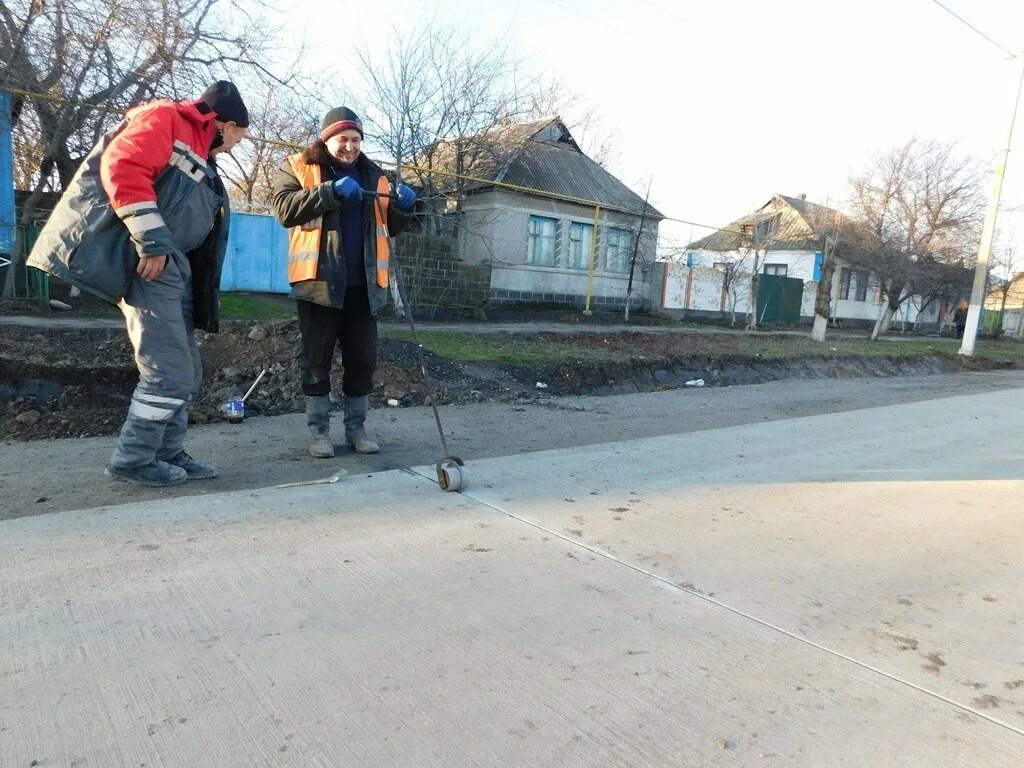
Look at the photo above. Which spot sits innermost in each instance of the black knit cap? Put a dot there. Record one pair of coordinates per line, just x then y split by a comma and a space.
337, 120
226, 102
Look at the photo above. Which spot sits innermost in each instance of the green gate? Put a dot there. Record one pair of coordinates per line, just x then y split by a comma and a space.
779, 299
29, 283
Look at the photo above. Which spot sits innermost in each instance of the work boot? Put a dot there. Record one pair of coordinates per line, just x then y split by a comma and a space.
318, 419
356, 409
158, 474
196, 470
321, 447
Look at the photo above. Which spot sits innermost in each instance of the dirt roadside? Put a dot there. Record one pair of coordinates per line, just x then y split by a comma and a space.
51, 475
77, 382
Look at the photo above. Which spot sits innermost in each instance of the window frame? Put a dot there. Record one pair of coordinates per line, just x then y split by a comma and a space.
776, 266
845, 275
619, 249
586, 246
861, 293
534, 238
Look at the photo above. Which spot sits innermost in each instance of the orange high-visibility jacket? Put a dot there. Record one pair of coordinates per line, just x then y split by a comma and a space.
304, 240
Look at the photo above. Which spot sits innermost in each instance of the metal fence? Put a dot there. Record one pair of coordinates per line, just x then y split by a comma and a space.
1012, 325
500, 255
18, 281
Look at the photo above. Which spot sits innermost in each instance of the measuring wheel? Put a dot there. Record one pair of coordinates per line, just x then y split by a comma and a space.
451, 474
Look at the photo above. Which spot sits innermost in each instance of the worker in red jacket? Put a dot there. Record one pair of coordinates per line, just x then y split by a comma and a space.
144, 226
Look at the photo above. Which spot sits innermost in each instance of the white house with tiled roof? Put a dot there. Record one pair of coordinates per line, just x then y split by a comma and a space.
694, 281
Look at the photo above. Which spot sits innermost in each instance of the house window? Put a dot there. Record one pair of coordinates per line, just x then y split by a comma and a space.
620, 255
862, 286
844, 283
581, 243
542, 241
780, 270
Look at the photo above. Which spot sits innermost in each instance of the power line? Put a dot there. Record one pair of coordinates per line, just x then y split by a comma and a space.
532, 191
595, 19
968, 24
667, 12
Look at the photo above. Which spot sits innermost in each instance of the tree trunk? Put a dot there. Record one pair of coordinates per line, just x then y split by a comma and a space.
998, 330
920, 313
823, 302
887, 320
820, 328
752, 325
884, 320
878, 323
19, 254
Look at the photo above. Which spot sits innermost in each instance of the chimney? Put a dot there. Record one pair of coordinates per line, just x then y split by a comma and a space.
803, 196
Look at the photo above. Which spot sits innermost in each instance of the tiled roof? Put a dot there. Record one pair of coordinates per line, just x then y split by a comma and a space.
793, 223
540, 155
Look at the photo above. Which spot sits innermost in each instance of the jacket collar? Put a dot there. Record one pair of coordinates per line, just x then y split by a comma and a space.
189, 110
316, 154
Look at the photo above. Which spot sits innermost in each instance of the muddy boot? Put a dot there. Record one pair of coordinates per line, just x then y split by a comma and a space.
318, 418
355, 429
195, 469
156, 474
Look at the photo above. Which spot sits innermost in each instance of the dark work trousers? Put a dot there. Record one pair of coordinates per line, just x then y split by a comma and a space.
159, 319
354, 328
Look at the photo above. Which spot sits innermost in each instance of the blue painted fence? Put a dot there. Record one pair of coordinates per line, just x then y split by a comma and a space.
6, 185
257, 256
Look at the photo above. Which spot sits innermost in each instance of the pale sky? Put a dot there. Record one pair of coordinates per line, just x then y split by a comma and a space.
725, 103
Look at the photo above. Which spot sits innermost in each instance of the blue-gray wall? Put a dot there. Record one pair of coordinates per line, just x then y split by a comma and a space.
6, 182
257, 256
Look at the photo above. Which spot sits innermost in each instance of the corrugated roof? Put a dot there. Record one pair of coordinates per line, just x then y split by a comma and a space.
563, 170
793, 223
540, 155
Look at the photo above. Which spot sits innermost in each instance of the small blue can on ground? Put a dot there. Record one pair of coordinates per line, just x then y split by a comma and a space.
235, 409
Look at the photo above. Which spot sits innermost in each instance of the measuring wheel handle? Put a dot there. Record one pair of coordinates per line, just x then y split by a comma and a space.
451, 474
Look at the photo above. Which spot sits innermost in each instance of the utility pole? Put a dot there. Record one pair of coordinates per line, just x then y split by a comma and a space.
987, 235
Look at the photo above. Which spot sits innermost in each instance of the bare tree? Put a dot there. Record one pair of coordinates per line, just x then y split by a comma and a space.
758, 239
287, 124
445, 103
827, 232
28, 148
918, 204
735, 287
77, 65
733, 279
598, 138
644, 249
1007, 271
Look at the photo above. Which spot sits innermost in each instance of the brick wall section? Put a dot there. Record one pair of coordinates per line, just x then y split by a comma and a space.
531, 300
434, 278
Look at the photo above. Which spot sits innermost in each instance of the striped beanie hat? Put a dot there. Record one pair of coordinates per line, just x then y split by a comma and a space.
339, 119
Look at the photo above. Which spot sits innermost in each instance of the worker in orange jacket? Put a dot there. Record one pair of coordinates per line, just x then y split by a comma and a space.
338, 267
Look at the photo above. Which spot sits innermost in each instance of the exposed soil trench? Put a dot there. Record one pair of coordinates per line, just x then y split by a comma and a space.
78, 383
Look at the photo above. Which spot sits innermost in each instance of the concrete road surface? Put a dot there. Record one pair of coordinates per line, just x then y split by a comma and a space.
776, 594
44, 476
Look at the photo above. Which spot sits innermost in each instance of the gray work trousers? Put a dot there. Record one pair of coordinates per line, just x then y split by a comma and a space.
159, 319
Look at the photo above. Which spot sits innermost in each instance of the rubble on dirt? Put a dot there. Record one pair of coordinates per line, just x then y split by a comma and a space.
79, 382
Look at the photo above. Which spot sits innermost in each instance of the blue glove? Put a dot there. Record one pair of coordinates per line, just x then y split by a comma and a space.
406, 197
348, 188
